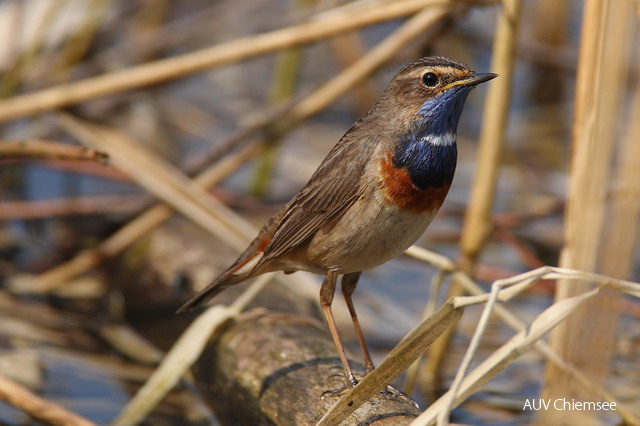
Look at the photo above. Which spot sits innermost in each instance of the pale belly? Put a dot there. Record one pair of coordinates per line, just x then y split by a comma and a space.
365, 236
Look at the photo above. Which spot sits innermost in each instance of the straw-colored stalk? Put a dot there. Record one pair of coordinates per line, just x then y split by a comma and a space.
408, 350
37, 407
48, 150
223, 53
135, 229
511, 319
586, 339
621, 236
477, 222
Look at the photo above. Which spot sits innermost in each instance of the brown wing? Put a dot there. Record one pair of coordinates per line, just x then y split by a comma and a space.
331, 189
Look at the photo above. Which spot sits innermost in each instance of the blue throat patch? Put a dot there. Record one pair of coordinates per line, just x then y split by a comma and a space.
431, 164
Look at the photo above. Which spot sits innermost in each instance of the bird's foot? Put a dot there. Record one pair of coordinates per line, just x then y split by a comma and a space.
338, 392
348, 383
393, 393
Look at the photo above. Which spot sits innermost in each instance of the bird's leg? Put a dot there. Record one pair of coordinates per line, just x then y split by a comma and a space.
349, 282
326, 298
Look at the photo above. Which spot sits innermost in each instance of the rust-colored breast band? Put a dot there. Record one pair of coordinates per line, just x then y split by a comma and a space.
400, 191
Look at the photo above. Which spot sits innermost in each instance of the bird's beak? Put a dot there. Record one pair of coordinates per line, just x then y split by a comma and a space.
471, 81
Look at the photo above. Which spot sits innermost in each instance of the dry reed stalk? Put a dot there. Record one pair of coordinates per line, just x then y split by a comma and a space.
37, 407
477, 221
51, 150
506, 289
413, 373
136, 228
224, 53
163, 180
125, 340
510, 319
408, 350
602, 71
15, 13
398, 360
461, 389
41, 209
621, 235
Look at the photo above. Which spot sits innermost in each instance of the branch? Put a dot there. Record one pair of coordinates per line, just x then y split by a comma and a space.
40, 408
272, 368
49, 150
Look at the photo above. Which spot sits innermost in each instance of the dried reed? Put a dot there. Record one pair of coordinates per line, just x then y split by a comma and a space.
40, 408
602, 70
224, 53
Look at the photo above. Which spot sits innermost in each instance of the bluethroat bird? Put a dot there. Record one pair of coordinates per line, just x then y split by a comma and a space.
372, 196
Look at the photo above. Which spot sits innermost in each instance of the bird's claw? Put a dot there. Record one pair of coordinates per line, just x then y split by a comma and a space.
348, 383
393, 393
329, 393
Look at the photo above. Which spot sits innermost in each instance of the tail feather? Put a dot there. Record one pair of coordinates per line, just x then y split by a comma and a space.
248, 265
221, 283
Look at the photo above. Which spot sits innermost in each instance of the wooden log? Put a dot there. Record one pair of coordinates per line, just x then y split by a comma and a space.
272, 368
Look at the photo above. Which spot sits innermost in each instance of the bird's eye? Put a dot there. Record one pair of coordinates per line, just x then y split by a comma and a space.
430, 79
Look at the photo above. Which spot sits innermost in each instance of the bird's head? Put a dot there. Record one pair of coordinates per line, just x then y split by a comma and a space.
430, 93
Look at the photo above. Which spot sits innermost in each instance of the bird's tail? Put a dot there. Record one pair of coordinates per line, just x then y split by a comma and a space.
248, 265
225, 280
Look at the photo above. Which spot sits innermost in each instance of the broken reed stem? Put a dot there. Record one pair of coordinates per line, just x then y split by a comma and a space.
224, 53
602, 73
48, 150
37, 407
401, 357
499, 359
509, 318
477, 220
309, 106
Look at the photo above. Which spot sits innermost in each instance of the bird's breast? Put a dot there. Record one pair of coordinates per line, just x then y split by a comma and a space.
400, 191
